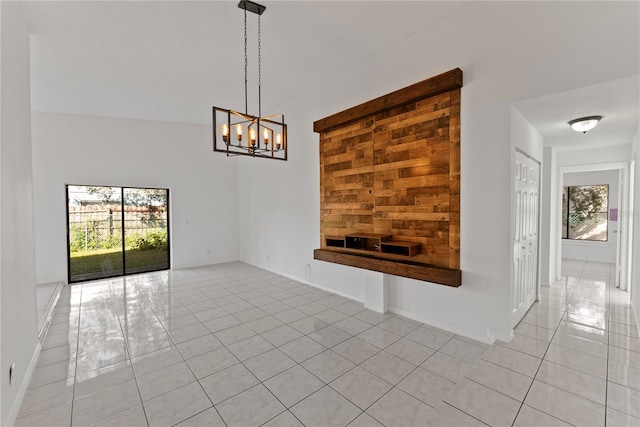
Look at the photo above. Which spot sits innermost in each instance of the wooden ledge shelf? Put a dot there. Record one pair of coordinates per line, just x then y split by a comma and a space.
404, 268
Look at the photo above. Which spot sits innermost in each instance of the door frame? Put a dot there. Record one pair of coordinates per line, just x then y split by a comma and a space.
623, 217
124, 267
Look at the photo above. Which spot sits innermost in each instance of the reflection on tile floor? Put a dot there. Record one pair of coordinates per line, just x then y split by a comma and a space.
234, 345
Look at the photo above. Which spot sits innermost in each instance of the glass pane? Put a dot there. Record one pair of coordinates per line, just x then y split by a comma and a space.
146, 232
588, 212
95, 232
592, 227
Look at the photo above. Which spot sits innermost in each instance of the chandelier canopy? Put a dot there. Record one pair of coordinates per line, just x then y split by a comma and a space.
236, 133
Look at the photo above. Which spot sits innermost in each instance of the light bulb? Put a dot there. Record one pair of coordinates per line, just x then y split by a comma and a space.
225, 133
265, 136
239, 131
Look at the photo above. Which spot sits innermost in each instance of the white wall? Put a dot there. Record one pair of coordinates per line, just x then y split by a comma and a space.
549, 207
502, 64
87, 150
525, 138
18, 294
588, 250
594, 156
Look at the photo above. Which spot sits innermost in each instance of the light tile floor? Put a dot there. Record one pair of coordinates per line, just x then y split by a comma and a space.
234, 345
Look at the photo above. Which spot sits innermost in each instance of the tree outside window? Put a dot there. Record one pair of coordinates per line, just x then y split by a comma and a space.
585, 212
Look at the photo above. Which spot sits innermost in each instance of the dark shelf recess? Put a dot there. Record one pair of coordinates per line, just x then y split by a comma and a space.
400, 248
367, 242
334, 242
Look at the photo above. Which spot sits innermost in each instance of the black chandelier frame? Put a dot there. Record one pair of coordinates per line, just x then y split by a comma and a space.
259, 147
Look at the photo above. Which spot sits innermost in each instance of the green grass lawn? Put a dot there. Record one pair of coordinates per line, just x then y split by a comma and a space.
108, 262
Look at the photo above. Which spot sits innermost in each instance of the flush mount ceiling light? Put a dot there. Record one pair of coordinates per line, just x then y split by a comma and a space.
236, 133
584, 124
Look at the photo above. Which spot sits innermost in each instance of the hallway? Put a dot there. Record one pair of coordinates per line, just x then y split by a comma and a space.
231, 344
584, 331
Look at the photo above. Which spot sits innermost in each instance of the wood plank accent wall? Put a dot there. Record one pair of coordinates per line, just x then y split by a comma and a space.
392, 166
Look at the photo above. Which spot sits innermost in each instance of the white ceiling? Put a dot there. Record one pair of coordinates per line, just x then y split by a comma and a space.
172, 60
617, 101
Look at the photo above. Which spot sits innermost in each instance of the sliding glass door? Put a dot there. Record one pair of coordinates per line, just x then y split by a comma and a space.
113, 231
146, 234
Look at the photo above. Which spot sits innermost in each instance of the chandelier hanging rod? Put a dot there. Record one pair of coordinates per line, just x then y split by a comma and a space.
258, 9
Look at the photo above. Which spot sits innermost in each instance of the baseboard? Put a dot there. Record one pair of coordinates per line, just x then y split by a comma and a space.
511, 335
315, 285
454, 330
47, 321
13, 413
306, 282
395, 310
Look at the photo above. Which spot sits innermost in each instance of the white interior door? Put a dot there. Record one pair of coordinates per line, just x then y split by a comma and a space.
525, 245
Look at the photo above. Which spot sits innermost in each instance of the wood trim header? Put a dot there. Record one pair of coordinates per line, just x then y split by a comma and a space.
441, 83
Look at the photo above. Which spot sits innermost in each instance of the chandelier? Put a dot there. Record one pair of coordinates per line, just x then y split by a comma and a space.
236, 133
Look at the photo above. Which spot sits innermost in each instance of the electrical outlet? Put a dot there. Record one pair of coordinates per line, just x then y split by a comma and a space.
11, 370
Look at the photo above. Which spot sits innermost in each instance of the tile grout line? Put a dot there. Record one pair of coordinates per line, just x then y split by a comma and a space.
260, 382
394, 386
163, 325
326, 308
239, 362
75, 373
183, 360
542, 359
188, 367
106, 366
128, 350
330, 348
607, 324
380, 350
327, 348
332, 324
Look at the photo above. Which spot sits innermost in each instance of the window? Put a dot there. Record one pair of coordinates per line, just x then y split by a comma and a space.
585, 212
115, 231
